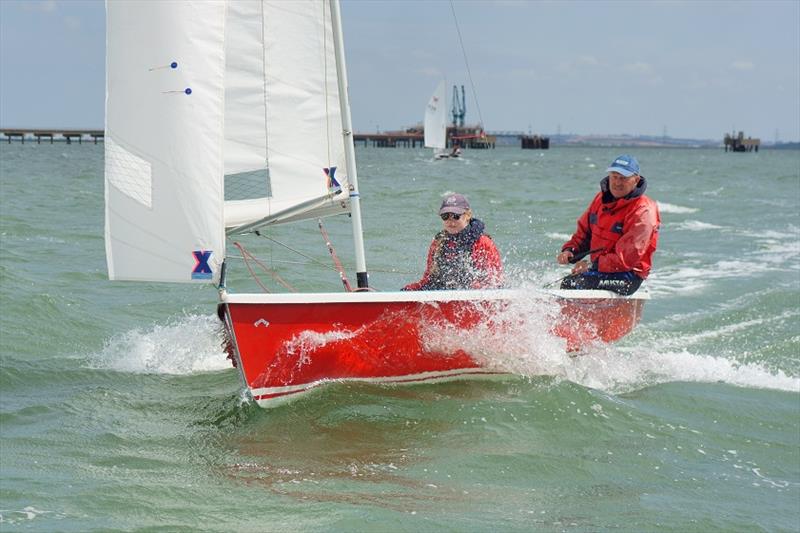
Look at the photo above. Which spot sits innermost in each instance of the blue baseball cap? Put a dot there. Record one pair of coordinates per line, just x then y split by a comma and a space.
627, 165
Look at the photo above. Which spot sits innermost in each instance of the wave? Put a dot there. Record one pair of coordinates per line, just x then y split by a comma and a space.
692, 277
675, 209
694, 225
529, 348
192, 344
188, 345
638, 367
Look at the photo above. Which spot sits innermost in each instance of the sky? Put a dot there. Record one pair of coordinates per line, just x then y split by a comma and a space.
687, 69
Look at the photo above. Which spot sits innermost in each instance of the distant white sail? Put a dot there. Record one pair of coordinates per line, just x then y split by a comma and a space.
215, 101
436, 119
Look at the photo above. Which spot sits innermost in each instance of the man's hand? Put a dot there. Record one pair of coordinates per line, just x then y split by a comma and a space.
580, 267
564, 257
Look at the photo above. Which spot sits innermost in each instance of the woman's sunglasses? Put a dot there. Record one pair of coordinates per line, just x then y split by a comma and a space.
454, 216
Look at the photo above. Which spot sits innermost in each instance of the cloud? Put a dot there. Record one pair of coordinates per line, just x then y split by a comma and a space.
432, 72
742, 65
44, 6
644, 72
72, 23
524, 73
580, 64
638, 68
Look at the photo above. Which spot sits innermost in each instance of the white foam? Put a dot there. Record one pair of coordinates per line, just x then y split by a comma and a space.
520, 341
714, 192
517, 339
563, 237
306, 342
780, 252
690, 278
650, 368
14, 517
188, 345
694, 225
664, 207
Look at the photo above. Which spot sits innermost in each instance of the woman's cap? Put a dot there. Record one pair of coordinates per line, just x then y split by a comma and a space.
454, 203
627, 165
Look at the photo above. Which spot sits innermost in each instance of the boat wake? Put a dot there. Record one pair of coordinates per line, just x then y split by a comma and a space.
186, 345
520, 341
527, 347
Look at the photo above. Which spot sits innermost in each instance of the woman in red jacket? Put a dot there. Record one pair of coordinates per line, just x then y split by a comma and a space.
461, 256
619, 230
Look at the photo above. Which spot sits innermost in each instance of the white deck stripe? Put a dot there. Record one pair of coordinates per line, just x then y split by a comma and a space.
424, 296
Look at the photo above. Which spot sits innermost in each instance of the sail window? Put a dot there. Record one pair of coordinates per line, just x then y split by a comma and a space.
247, 185
129, 173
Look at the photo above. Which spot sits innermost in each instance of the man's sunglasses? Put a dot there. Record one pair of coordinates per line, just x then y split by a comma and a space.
454, 216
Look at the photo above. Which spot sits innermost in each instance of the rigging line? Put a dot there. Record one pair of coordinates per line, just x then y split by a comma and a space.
335, 258
298, 252
466, 63
275, 275
249, 268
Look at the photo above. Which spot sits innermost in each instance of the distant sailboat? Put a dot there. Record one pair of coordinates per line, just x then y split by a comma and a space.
436, 123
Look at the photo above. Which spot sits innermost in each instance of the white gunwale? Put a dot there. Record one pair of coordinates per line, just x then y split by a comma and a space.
424, 296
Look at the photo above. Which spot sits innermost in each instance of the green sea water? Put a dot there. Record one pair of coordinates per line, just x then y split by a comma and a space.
119, 411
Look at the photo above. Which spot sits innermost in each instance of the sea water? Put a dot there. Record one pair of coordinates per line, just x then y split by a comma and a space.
119, 411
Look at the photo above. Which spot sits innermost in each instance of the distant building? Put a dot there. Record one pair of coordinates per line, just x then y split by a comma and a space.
740, 144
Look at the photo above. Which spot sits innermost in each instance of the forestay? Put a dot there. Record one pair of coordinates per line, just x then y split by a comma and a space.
208, 101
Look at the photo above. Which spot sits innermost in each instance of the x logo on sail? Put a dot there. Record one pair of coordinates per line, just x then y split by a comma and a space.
333, 185
202, 270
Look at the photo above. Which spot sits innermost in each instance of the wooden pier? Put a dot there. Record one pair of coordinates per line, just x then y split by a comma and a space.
391, 139
739, 144
67, 136
469, 137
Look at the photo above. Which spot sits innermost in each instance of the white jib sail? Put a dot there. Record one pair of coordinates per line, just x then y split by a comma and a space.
436, 119
165, 74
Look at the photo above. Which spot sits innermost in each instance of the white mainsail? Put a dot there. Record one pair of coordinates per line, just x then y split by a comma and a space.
208, 100
436, 119
282, 113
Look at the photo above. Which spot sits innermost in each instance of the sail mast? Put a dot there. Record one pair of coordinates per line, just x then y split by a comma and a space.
349, 150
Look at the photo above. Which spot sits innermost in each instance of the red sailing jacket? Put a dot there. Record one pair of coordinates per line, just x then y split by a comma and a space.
468, 260
626, 229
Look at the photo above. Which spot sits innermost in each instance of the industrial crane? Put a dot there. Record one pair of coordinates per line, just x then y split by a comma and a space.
459, 108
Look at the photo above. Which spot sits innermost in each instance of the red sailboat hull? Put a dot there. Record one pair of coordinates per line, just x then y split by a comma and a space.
289, 343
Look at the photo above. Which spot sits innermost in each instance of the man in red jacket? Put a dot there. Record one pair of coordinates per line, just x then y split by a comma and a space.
461, 256
619, 231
